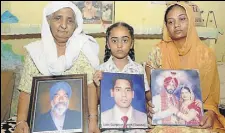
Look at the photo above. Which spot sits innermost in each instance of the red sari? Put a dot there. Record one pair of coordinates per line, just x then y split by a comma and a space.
199, 115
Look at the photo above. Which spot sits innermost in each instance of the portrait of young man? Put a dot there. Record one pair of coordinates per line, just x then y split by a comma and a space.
124, 95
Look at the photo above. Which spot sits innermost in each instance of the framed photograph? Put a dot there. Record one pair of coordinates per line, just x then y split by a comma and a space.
176, 95
58, 104
96, 12
122, 101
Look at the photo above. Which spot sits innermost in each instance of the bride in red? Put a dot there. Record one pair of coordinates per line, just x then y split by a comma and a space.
190, 112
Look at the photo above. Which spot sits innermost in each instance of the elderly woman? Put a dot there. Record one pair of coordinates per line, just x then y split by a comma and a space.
63, 49
181, 48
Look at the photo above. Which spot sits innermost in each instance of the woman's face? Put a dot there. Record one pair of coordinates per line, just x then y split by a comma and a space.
177, 23
62, 24
120, 42
185, 94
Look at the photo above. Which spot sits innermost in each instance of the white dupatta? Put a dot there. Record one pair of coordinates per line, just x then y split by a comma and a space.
44, 52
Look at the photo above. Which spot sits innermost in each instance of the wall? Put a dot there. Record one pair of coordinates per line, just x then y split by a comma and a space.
28, 12
218, 8
140, 14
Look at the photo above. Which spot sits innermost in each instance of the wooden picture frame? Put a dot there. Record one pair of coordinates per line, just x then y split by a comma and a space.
62, 97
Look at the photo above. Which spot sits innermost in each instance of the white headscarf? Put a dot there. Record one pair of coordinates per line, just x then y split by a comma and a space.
44, 53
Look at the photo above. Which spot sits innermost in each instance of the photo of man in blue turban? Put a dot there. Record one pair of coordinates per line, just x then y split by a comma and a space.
59, 117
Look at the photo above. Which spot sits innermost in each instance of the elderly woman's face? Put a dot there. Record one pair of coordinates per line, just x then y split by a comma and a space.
62, 24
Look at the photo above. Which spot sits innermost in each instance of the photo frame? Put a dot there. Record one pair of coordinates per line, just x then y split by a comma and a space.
59, 104
97, 12
97, 15
122, 101
177, 97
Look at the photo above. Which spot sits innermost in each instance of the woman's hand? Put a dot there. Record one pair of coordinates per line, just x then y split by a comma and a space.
22, 128
97, 77
208, 119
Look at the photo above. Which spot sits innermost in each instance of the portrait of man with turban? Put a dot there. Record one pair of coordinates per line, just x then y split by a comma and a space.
59, 117
166, 103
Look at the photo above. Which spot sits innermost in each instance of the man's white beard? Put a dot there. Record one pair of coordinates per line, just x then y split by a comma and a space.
60, 108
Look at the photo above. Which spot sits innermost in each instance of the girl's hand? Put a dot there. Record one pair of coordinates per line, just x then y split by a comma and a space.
207, 120
97, 77
150, 110
184, 109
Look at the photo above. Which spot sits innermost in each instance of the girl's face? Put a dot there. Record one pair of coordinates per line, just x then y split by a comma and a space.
177, 23
120, 42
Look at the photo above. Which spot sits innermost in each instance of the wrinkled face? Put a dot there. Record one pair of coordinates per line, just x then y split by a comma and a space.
185, 94
122, 93
60, 102
120, 42
171, 87
177, 23
62, 24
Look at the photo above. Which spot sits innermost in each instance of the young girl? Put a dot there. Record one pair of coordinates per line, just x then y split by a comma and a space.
119, 58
